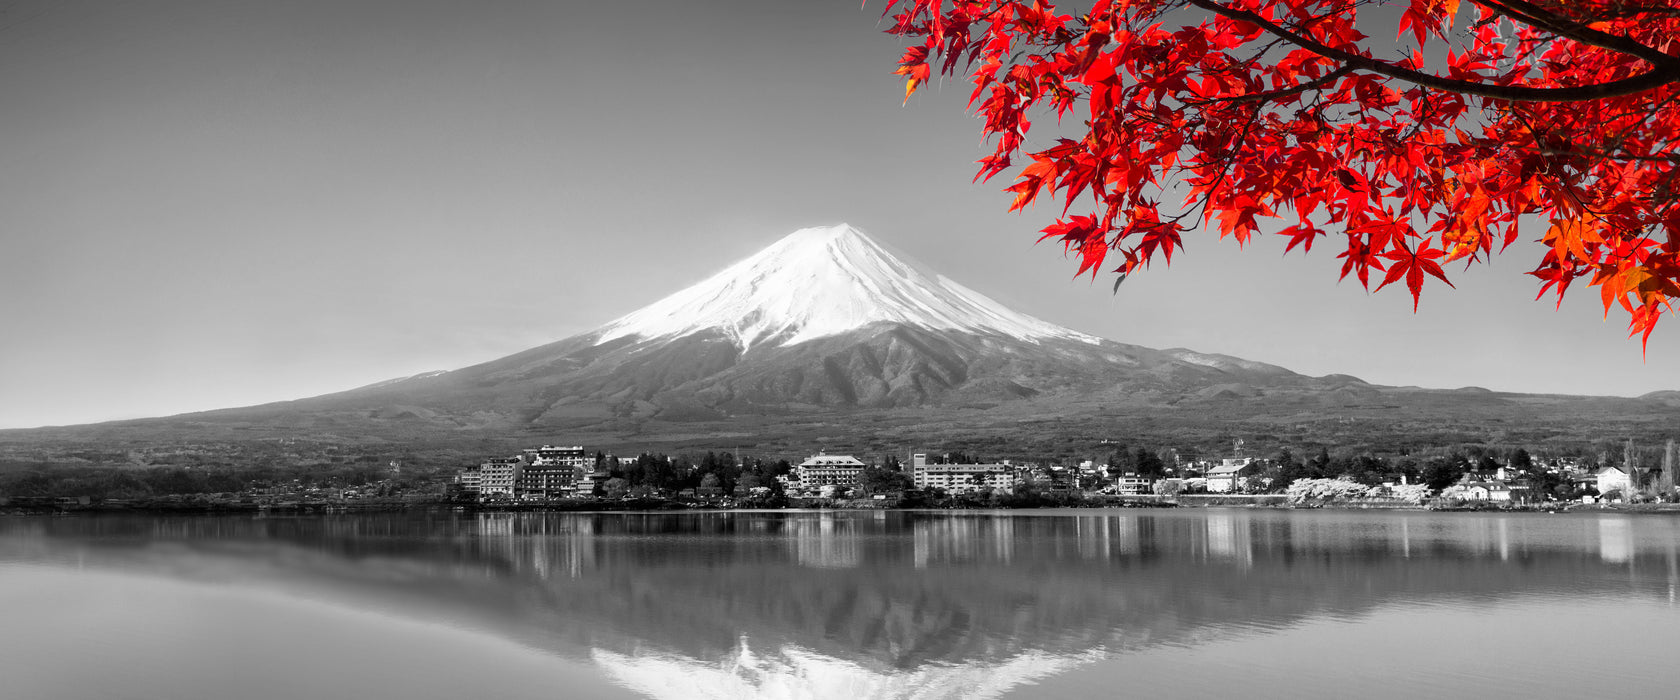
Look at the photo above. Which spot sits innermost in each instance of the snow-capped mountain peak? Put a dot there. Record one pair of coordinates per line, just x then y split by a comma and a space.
823, 281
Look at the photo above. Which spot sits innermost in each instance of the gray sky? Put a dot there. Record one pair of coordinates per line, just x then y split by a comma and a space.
213, 203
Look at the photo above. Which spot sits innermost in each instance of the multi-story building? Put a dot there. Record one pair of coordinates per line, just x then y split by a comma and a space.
499, 476
829, 470
553, 472
539, 481
574, 456
468, 480
1229, 475
536, 473
1133, 485
960, 478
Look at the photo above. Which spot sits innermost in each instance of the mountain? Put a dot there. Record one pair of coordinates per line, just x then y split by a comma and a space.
819, 282
826, 335
824, 318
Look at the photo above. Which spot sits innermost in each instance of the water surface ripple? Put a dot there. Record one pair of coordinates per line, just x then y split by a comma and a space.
784, 604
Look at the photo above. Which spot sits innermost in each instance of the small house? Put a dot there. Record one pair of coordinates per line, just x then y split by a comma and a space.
1613, 479
1494, 490
1229, 475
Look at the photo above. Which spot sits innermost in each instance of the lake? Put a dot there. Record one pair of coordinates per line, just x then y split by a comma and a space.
889, 604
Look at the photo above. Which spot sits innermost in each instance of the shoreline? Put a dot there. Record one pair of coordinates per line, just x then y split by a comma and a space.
56, 507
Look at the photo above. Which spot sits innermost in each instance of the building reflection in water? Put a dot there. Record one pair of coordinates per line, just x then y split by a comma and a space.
978, 538
1615, 540
827, 542
1228, 538
900, 594
527, 543
1673, 575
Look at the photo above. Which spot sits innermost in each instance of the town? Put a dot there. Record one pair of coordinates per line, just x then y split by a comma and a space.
550, 473
574, 477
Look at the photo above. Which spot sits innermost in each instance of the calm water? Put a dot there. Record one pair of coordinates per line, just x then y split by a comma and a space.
1074, 604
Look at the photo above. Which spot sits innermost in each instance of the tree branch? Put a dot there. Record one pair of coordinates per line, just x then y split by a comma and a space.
1326, 79
1656, 77
1534, 15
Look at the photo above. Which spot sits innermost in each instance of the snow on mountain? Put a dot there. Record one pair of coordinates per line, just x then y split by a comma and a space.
820, 282
798, 674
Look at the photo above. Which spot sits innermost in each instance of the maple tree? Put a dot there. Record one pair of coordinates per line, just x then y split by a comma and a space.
1478, 119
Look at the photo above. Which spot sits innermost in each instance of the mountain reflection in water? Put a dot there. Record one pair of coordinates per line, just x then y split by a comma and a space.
887, 604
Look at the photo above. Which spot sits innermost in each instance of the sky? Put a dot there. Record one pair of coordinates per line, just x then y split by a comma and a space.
216, 203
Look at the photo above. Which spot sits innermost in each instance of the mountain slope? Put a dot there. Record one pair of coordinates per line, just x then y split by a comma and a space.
824, 318
826, 335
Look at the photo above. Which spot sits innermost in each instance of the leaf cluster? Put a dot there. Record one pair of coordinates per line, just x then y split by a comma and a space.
1479, 118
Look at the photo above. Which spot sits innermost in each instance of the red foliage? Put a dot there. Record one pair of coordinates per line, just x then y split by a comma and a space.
1556, 113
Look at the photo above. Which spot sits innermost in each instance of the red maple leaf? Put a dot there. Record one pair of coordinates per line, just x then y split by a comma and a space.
1565, 110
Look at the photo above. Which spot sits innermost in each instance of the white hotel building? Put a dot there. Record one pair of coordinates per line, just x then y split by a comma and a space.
961, 478
829, 470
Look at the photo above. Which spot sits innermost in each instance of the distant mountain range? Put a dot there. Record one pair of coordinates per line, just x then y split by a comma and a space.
828, 335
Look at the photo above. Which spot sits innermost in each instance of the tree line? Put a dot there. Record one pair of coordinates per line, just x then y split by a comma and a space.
652, 474
129, 483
